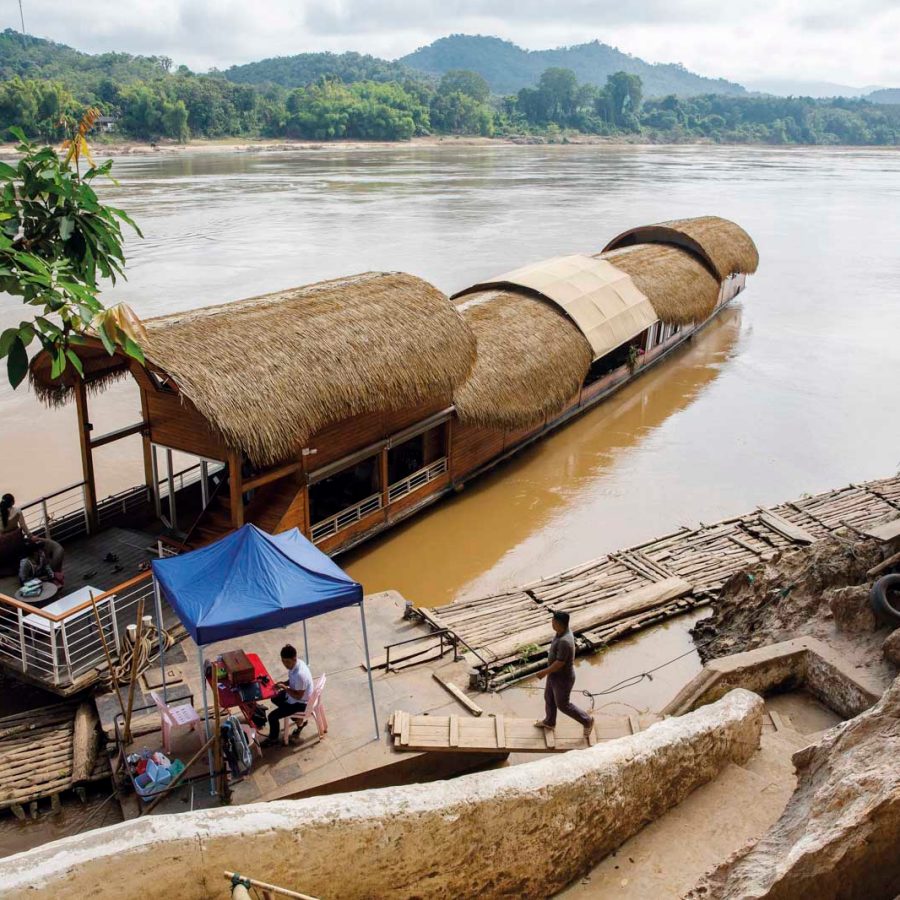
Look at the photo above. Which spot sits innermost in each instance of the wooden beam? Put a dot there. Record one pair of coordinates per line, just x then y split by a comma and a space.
272, 475
887, 531
786, 529
470, 705
118, 434
236, 490
87, 459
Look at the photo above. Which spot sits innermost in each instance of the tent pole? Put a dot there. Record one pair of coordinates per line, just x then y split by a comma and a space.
305, 643
160, 634
362, 613
209, 755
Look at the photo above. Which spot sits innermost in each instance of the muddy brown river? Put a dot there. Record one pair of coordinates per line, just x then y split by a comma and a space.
794, 389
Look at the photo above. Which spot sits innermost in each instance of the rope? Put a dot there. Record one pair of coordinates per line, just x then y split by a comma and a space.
144, 651
632, 680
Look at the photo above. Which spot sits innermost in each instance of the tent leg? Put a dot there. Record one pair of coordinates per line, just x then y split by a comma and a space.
362, 613
160, 631
212, 777
305, 643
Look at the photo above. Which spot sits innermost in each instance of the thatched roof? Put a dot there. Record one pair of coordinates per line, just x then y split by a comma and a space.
719, 243
271, 371
679, 287
532, 359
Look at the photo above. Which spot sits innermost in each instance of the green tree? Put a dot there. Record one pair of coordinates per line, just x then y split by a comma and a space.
57, 243
465, 82
175, 121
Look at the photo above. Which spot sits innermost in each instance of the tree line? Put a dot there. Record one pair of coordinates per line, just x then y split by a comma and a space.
180, 104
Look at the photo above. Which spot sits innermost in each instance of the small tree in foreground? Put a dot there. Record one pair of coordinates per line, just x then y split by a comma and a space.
57, 243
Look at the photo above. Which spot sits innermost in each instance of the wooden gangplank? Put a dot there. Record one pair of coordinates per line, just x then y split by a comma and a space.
504, 734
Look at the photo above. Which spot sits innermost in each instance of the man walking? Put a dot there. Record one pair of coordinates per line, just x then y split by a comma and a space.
560, 674
292, 696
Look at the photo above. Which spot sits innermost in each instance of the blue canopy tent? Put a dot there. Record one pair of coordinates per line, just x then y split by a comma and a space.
250, 581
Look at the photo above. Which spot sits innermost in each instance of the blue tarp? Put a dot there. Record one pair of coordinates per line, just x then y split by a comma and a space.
251, 581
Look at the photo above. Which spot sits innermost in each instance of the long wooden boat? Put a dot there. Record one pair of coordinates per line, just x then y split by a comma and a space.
345, 406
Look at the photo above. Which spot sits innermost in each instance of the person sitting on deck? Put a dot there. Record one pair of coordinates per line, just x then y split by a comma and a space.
292, 696
44, 561
560, 674
13, 535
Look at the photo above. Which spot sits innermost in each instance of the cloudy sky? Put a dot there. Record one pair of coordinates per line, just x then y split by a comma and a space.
851, 42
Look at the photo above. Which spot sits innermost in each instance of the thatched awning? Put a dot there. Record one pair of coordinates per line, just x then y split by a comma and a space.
532, 359
269, 372
720, 244
680, 288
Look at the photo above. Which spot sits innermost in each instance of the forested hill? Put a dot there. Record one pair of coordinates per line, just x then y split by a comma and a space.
507, 68
307, 68
32, 57
885, 95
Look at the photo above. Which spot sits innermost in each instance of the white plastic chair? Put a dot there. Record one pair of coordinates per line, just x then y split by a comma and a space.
172, 717
315, 710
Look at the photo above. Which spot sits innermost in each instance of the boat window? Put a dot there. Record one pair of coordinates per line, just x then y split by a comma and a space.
417, 453
607, 363
344, 489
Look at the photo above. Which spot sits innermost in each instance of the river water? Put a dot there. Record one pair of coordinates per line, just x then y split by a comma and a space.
794, 389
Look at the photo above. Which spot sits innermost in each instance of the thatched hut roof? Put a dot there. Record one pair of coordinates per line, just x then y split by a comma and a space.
719, 243
532, 359
679, 287
271, 371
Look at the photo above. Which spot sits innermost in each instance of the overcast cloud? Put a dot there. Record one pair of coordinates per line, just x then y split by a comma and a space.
852, 42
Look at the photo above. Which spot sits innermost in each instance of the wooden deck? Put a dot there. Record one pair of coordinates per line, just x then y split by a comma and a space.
507, 634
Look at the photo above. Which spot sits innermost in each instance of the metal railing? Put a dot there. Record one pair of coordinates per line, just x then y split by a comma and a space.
345, 517
62, 515
58, 649
442, 634
418, 479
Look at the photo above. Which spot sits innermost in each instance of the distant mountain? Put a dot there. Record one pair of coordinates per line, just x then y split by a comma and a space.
786, 87
507, 68
305, 68
884, 95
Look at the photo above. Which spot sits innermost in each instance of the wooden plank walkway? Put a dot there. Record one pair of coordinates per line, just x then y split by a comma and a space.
504, 734
509, 632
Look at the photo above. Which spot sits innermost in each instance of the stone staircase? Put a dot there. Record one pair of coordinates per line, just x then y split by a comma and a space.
667, 858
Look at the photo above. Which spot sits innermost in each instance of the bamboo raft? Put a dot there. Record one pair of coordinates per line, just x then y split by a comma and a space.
44, 752
623, 592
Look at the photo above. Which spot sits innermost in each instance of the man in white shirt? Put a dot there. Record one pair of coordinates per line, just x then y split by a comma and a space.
292, 695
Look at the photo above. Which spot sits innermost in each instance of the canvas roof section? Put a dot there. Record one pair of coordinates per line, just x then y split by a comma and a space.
600, 299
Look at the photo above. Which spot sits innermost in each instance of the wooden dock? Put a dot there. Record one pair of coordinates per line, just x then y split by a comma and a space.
506, 635
44, 752
504, 734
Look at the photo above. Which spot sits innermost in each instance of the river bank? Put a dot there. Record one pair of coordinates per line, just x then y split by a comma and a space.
109, 146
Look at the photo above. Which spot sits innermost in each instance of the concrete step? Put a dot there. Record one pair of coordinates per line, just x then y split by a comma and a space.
669, 856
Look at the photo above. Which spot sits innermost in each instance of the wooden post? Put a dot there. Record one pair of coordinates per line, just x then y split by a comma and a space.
383, 475
87, 459
235, 484
147, 446
221, 776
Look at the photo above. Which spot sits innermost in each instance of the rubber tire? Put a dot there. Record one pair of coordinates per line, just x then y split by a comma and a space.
886, 608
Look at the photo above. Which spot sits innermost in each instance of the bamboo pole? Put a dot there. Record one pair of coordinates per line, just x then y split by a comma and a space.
109, 662
284, 892
135, 660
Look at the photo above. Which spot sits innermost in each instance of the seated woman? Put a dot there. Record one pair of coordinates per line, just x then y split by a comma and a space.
13, 534
11, 518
